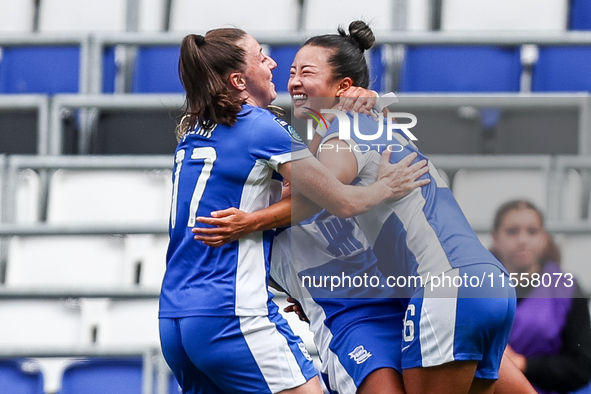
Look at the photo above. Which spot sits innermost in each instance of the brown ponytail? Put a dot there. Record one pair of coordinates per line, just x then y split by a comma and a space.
204, 65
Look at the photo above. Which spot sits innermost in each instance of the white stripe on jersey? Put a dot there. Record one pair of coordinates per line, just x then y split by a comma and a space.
437, 321
276, 160
271, 353
285, 275
251, 271
421, 238
339, 379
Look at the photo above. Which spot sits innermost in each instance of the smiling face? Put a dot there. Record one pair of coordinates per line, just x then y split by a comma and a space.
311, 83
521, 240
259, 90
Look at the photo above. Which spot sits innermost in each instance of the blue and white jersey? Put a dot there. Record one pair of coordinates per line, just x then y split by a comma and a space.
424, 233
327, 264
215, 169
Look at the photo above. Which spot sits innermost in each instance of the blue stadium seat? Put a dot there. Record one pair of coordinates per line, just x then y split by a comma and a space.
156, 70
15, 379
580, 15
562, 69
284, 56
377, 69
109, 70
40, 69
100, 376
461, 69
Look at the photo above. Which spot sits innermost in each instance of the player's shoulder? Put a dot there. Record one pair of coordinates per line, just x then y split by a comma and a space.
265, 120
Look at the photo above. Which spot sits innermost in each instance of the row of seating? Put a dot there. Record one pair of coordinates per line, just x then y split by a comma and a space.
290, 15
126, 200
447, 123
483, 68
122, 375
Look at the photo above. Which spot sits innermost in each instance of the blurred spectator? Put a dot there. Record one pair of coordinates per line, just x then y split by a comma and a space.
551, 336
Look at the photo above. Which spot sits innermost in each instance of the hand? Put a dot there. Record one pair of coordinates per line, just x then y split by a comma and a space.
231, 224
402, 178
357, 99
519, 360
296, 307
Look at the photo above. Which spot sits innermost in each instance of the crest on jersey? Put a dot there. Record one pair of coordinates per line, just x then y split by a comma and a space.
360, 354
290, 130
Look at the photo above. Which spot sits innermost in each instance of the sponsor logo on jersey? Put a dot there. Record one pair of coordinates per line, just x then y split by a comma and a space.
290, 130
304, 351
359, 354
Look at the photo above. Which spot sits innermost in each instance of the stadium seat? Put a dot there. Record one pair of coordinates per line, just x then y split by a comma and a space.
26, 197
532, 15
575, 250
156, 70
378, 67
17, 16
78, 16
39, 323
68, 261
562, 69
149, 256
480, 192
461, 69
117, 197
570, 208
44, 69
580, 15
2, 185
326, 15
28, 193
109, 196
20, 377
19, 131
129, 323
198, 16
100, 376
152, 15
418, 15
134, 132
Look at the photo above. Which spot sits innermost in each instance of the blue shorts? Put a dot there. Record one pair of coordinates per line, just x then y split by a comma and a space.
364, 346
462, 320
230, 354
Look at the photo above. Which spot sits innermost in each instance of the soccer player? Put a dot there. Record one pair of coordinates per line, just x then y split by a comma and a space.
219, 329
454, 335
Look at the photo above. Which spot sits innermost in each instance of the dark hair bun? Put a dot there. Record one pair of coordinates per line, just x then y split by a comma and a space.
361, 35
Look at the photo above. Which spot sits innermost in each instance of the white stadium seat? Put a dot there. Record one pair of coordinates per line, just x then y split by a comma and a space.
571, 189
109, 197
27, 202
480, 192
82, 16
576, 257
129, 323
67, 261
151, 15
17, 16
499, 15
199, 16
39, 323
326, 15
418, 15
